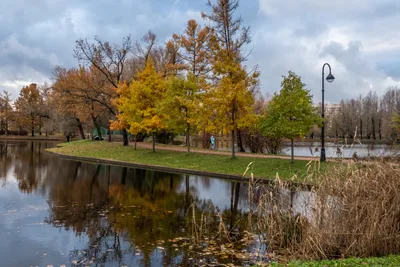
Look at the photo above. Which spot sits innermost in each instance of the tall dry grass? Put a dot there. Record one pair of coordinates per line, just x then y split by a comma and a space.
353, 210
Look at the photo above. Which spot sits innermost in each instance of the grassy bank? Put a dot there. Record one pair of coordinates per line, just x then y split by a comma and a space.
389, 261
262, 167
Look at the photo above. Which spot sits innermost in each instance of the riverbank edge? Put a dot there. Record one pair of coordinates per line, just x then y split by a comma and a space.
231, 177
29, 138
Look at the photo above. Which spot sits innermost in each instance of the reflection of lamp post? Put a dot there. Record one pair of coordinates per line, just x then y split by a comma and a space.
330, 79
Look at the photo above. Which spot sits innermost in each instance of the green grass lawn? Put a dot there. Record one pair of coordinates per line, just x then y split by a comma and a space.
261, 167
388, 261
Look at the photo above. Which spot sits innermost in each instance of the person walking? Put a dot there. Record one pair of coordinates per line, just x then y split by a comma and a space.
212, 141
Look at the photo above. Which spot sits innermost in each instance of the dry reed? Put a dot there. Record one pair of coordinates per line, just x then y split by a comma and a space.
352, 210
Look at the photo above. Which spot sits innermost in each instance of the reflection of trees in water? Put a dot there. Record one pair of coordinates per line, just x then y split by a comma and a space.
234, 203
6, 161
157, 215
26, 161
113, 206
110, 203
83, 207
145, 208
206, 182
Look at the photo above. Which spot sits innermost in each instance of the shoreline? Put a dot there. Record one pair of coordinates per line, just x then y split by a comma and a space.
230, 177
3, 138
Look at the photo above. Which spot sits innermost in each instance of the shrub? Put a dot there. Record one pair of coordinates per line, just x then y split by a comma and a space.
254, 140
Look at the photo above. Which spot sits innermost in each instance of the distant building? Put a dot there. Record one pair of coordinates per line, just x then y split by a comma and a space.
331, 111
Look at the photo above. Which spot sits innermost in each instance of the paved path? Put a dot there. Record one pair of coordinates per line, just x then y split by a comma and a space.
216, 152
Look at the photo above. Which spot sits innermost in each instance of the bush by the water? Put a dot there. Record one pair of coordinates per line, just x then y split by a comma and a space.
12, 132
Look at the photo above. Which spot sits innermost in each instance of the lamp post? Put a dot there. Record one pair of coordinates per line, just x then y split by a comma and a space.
330, 79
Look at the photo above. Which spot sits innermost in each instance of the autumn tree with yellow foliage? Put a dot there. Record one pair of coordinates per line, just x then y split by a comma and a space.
185, 92
231, 96
182, 104
195, 82
139, 103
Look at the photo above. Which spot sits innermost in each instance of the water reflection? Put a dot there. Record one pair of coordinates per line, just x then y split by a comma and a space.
58, 212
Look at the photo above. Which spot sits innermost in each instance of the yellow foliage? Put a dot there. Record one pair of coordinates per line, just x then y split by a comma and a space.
231, 98
139, 101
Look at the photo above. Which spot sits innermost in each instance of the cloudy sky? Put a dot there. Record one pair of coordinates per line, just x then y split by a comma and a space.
359, 38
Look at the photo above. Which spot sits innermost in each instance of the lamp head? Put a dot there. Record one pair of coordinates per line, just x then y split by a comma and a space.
330, 78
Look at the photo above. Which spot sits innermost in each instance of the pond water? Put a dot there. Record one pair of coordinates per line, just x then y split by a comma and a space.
59, 212
309, 149
346, 151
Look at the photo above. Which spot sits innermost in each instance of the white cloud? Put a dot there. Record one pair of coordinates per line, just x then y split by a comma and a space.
312, 7
358, 38
12, 46
302, 35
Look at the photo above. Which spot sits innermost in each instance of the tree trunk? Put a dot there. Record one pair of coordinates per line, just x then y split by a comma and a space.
188, 137
361, 128
6, 127
187, 131
80, 128
125, 137
109, 134
348, 130
33, 126
240, 143
233, 144
135, 140
380, 128
40, 125
233, 131
206, 139
373, 128
97, 126
154, 142
292, 151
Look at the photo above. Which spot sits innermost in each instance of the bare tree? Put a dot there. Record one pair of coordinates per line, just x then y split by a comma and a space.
143, 50
228, 30
371, 115
6, 111
108, 59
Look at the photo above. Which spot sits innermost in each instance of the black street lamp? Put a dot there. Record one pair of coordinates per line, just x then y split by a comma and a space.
330, 79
